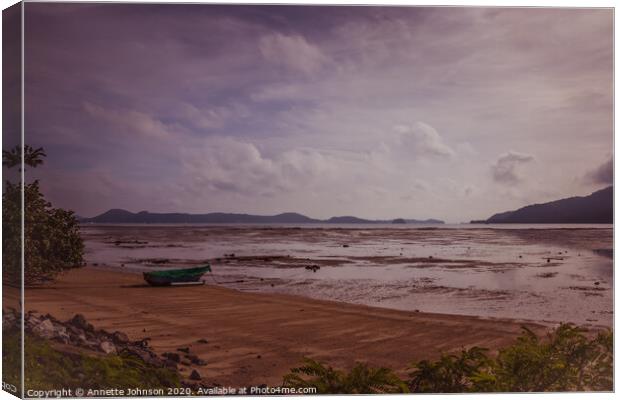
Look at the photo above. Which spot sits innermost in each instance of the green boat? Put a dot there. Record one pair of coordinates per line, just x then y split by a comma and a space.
169, 277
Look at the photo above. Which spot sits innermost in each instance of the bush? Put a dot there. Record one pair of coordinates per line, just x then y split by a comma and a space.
567, 359
451, 373
362, 379
52, 240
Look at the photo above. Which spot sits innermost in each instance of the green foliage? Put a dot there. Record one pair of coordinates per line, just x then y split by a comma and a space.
567, 359
51, 235
48, 368
362, 379
451, 373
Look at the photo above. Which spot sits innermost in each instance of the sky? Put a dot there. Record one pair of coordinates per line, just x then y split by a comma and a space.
377, 112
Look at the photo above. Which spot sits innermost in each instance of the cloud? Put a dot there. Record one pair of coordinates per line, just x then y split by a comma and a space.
422, 139
309, 101
294, 52
603, 174
506, 168
236, 166
134, 121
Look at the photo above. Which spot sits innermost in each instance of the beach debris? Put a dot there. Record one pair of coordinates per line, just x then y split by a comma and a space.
231, 255
203, 340
345, 245
548, 260
195, 376
313, 268
183, 349
258, 356
597, 283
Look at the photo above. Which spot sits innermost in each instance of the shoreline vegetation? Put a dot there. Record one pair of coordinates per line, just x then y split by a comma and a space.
262, 339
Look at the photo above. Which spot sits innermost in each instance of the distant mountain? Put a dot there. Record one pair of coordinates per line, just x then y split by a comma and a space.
597, 208
348, 220
119, 216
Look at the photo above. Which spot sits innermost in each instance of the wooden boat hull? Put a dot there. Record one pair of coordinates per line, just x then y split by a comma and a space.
176, 276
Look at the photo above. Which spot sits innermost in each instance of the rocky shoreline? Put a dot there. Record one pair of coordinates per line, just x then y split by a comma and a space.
78, 333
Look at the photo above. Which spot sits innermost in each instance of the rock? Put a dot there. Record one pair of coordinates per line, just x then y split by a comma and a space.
183, 349
45, 329
80, 322
345, 245
9, 319
120, 337
196, 360
597, 283
204, 341
170, 365
107, 347
172, 356
62, 334
145, 355
195, 376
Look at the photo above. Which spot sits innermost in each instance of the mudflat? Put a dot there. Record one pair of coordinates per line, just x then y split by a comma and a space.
255, 338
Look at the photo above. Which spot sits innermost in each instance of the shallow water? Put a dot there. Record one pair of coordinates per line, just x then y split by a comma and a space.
550, 273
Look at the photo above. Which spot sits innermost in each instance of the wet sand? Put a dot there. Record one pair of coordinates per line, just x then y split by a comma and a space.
547, 274
255, 338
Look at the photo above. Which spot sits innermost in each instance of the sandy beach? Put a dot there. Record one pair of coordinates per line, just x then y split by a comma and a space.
255, 338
